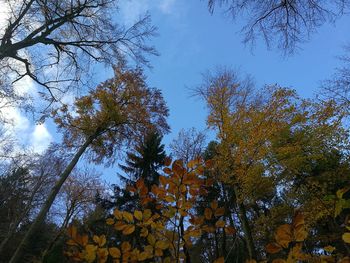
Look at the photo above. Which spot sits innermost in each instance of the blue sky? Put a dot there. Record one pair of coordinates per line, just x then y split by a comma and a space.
192, 41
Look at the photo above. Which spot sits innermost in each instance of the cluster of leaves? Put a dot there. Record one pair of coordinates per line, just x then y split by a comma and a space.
167, 232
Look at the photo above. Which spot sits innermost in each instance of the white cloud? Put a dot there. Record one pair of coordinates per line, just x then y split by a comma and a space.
133, 9
166, 6
40, 138
23, 131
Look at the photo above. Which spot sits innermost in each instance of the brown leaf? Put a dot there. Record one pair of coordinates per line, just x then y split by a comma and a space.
283, 235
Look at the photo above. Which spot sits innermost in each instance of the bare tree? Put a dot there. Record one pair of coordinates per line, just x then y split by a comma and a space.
337, 87
54, 42
188, 145
75, 200
282, 23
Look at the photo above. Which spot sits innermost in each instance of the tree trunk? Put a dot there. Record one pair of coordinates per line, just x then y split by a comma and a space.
242, 213
17, 256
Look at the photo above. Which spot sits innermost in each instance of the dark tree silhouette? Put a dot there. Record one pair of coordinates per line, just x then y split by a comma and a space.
282, 23
54, 42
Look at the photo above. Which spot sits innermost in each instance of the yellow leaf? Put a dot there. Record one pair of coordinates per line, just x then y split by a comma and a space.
283, 235
220, 223
162, 244
329, 249
114, 252
90, 253
142, 256
102, 254
125, 247
169, 198
147, 214
144, 232
120, 226
118, 214
158, 252
341, 192
151, 239
99, 240
129, 229
109, 221
138, 215
149, 249
346, 237
273, 248
128, 217
208, 213
71, 242
192, 164
220, 260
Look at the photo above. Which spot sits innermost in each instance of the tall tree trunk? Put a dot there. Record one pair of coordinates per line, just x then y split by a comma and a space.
17, 256
242, 214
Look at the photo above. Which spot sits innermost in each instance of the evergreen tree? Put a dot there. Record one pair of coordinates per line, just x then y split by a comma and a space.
146, 160
142, 163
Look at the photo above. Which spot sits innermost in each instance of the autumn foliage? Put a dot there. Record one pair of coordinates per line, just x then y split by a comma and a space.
165, 235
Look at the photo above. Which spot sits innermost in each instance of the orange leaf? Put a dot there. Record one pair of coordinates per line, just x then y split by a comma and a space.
230, 230
220, 212
163, 180
72, 231
300, 233
129, 229
109, 221
118, 214
167, 161
283, 235
120, 226
167, 170
208, 213
220, 260
214, 205
273, 248
298, 219
279, 260
140, 183
220, 223
125, 247
114, 252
